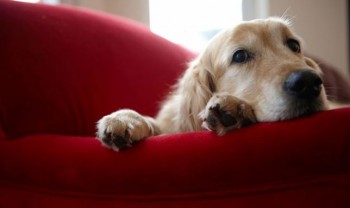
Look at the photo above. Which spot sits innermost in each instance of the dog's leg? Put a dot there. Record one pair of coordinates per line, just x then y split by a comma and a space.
124, 127
224, 112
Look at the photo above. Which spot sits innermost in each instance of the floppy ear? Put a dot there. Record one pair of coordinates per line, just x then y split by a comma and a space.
195, 88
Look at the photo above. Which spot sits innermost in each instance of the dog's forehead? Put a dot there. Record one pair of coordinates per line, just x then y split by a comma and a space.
261, 30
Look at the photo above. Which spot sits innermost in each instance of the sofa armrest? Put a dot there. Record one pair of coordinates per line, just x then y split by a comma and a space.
64, 68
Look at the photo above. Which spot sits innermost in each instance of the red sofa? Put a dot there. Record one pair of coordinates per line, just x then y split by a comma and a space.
62, 69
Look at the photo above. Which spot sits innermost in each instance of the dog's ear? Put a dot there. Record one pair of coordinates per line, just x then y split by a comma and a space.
205, 79
196, 88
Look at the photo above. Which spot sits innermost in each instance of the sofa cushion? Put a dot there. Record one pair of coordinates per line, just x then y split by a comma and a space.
279, 161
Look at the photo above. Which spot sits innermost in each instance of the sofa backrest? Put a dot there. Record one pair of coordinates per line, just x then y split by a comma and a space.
63, 68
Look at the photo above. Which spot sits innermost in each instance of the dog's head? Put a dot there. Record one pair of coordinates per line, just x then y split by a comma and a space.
262, 63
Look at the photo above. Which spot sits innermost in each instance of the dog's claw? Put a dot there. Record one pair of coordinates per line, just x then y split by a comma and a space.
124, 128
226, 112
224, 117
116, 142
120, 142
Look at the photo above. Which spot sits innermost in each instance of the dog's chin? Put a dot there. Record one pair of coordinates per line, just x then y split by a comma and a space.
293, 110
301, 109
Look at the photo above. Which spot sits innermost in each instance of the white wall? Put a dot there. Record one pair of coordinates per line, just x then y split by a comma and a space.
321, 23
132, 9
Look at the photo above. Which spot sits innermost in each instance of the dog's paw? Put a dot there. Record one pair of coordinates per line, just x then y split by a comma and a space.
122, 128
225, 112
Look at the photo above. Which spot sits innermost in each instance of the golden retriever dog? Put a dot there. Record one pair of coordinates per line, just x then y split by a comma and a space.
253, 72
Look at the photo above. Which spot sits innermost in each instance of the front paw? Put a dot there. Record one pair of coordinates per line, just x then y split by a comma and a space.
122, 128
225, 112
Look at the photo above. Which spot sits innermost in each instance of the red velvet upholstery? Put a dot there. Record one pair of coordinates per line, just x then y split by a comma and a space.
61, 69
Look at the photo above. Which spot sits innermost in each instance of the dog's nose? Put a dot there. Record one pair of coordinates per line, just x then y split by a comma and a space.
303, 84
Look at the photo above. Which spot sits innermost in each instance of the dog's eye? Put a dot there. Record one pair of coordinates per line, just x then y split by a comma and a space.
240, 56
293, 45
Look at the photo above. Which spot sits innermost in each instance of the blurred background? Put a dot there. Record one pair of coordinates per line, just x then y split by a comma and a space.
323, 24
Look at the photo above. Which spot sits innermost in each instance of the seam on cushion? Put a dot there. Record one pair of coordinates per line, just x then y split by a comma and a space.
2, 128
345, 163
336, 180
2, 133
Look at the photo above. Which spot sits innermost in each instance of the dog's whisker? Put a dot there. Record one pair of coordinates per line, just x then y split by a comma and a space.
289, 19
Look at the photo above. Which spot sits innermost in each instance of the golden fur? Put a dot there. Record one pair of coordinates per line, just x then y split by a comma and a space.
213, 85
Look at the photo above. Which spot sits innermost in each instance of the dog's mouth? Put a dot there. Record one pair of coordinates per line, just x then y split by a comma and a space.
303, 108
290, 110
286, 107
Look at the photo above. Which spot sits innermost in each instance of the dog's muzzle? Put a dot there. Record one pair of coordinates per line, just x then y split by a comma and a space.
303, 84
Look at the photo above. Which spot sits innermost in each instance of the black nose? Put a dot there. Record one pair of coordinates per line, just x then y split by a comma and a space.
303, 84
